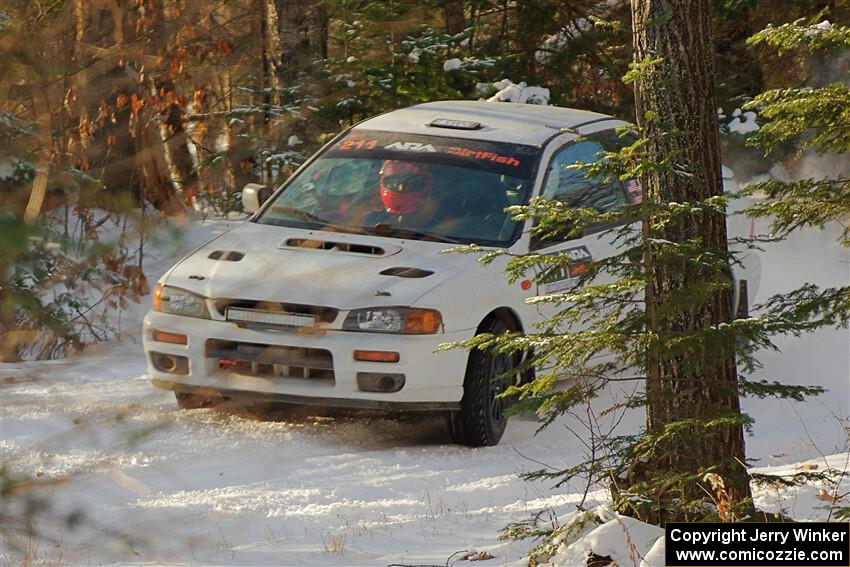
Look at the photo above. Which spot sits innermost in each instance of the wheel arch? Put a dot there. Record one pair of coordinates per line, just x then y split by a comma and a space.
504, 314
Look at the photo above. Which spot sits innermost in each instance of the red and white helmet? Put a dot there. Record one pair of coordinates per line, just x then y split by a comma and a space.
405, 186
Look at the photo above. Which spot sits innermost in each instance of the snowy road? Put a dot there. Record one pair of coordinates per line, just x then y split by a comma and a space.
207, 487
159, 486
226, 487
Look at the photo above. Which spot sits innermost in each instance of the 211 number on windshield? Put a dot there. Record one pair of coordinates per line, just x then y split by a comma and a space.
349, 145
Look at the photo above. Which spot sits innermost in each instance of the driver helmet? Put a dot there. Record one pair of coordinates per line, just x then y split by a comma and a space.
404, 186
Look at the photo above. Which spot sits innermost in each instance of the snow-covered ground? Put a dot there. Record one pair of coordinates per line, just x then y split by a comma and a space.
158, 486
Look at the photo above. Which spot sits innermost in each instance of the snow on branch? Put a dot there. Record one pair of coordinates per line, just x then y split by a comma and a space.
508, 91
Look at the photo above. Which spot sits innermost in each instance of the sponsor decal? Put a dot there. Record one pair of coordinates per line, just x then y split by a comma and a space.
498, 157
410, 147
576, 262
467, 153
354, 145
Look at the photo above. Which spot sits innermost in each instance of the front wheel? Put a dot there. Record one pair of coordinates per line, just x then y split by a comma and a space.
481, 420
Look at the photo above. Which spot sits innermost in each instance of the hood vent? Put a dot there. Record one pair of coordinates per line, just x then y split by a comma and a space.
335, 246
226, 255
401, 272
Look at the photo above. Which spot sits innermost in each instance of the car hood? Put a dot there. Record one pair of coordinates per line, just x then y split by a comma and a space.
282, 264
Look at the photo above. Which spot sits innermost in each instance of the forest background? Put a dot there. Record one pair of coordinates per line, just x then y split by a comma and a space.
108, 103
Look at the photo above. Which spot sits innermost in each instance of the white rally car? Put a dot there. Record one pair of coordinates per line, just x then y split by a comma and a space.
336, 291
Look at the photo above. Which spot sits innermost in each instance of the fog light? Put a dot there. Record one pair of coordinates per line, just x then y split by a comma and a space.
173, 338
170, 363
380, 382
376, 356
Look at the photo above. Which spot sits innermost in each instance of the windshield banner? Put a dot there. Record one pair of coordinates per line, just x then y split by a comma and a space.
506, 159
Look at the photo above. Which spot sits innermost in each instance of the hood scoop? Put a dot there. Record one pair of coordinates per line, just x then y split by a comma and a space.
403, 272
332, 246
226, 255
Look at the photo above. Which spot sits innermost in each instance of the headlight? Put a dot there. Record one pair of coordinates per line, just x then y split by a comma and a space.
402, 320
178, 301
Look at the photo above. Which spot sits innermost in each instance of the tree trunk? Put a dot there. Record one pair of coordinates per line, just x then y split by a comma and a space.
151, 166
453, 15
532, 19
174, 139
302, 32
675, 106
164, 86
270, 64
42, 168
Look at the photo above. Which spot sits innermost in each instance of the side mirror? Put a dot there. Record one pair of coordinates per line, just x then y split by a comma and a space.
253, 196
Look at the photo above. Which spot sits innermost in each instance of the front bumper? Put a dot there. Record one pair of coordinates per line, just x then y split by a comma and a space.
432, 381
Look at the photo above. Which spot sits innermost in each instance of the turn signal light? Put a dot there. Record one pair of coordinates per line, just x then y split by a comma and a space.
156, 298
376, 356
173, 338
422, 322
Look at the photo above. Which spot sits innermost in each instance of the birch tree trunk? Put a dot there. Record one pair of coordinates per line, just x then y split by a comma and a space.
172, 115
42, 168
676, 107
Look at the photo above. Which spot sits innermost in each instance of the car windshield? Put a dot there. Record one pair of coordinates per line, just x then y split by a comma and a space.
407, 186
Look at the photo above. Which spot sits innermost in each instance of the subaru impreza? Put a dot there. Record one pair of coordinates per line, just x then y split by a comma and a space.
337, 291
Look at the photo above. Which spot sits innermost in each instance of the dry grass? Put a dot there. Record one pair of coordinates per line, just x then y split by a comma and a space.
333, 544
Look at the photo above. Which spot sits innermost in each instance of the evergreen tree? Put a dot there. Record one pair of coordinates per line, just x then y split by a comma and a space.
693, 407
661, 309
813, 119
816, 121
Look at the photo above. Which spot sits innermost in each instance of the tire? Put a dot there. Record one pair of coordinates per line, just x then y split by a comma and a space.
481, 420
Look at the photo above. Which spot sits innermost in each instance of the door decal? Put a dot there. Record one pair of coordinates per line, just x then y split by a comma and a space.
575, 262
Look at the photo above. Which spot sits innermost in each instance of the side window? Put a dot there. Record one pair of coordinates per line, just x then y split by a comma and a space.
614, 142
575, 187
578, 188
